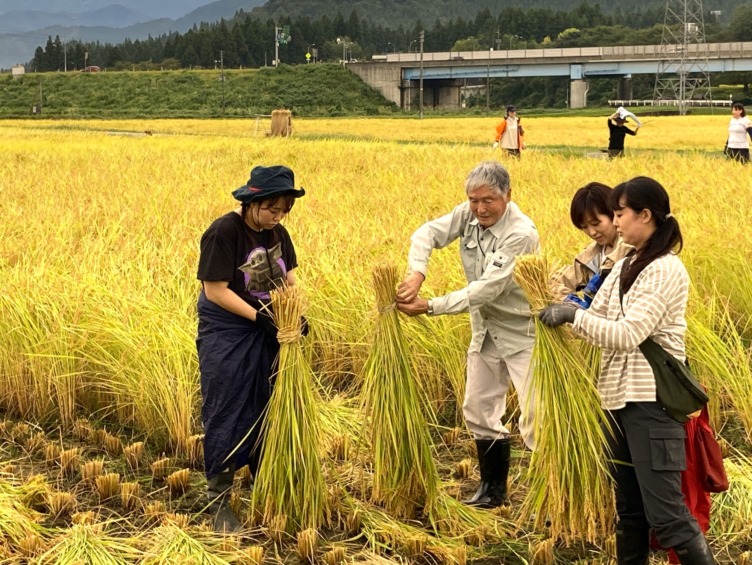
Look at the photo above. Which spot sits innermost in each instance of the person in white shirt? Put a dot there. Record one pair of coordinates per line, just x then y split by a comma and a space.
737, 146
509, 133
492, 232
645, 296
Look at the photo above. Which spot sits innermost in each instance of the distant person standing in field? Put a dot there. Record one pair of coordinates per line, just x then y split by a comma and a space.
617, 131
509, 133
492, 231
737, 146
244, 255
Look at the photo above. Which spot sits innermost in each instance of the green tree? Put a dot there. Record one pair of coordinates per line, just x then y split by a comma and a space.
741, 26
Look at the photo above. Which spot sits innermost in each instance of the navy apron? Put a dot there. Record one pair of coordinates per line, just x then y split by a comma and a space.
236, 360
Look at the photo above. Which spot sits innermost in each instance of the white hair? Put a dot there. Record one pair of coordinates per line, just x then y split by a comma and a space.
491, 174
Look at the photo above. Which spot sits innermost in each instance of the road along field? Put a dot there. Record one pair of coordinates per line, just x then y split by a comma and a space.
98, 253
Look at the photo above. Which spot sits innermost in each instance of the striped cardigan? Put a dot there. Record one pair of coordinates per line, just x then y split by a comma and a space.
653, 307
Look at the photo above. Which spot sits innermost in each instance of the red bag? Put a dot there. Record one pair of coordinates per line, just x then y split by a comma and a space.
710, 469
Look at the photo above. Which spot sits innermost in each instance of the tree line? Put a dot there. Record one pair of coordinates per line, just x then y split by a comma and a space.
244, 41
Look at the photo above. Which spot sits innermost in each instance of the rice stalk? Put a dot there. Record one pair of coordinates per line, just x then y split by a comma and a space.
568, 473
84, 543
130, 495
69, 461
404, 472
92, 469
133, 454
290, 479
254, 555
160, 468
335, 556
107, 485
61, 503
731, 516
178, 482
307, 542
166, 542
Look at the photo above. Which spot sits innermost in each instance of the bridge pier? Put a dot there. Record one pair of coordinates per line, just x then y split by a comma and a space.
578, 90
442, 94
624, 88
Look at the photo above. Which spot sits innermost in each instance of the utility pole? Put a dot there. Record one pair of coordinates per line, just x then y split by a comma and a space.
222, 77
276, 46
683, 26
422, 38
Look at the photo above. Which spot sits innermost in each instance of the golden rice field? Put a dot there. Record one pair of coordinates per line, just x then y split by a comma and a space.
98, 254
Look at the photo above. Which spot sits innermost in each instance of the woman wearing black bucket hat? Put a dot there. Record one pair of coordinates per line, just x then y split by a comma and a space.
244, 255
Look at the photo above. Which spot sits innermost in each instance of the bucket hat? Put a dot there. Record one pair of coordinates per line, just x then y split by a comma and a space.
268, 182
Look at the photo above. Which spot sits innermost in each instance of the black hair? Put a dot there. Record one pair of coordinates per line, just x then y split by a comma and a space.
644, 193
590, 200
739, 106
288, 201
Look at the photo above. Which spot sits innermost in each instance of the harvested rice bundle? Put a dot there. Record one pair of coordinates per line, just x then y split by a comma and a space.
290, 479
731, 517
168, 541
404, 473
568, 473
84, 543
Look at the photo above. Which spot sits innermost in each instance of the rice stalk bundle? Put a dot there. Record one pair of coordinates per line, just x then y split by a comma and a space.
404, 472
176, 519
473, 525
731, 517
88, 517
69, 461
20, 432
543, 552
723, 363
179, 481
276, 528
113, 445
195, 448
154, 511
462, 469
290, 479
745, 558
82, 429
130, 495
335, 556
133, 454
107, 485
568, 474
254, 555
6, 429
84, 543
30, 545
307, 542
451, 436
160, 468
36, 443
244, 476
168, 541
92, 469
61, 503
17, 521
52, 453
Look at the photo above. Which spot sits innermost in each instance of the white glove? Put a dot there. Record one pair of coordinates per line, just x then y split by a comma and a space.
496, 144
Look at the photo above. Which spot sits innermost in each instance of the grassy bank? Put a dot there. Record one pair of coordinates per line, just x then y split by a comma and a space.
309, 90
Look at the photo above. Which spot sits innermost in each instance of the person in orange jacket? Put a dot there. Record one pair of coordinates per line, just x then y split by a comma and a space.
509, 133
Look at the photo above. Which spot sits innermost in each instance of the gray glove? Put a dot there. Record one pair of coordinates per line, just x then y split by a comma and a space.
557, 314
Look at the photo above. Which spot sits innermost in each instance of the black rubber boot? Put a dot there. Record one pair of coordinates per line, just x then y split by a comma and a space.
695, 552
493, 460
219, 488
632, 545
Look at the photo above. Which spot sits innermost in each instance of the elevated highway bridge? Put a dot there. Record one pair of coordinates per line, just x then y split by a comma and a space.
445, 74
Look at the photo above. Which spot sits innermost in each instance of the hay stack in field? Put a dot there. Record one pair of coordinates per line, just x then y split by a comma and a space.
290, 479
281, 123
568, 476
404, 473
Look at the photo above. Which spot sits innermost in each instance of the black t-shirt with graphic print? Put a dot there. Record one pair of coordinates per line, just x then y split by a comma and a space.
254, 262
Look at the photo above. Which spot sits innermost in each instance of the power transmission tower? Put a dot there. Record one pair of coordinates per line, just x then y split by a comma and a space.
683, 73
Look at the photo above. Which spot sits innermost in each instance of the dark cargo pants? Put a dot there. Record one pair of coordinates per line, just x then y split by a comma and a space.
647, 457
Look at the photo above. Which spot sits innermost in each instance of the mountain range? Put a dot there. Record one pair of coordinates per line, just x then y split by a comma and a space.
23, 30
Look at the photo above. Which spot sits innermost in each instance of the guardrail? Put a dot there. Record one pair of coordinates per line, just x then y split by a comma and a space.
669, 102
616, 52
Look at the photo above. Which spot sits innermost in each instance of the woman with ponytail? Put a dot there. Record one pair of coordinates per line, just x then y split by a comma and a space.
644, 297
